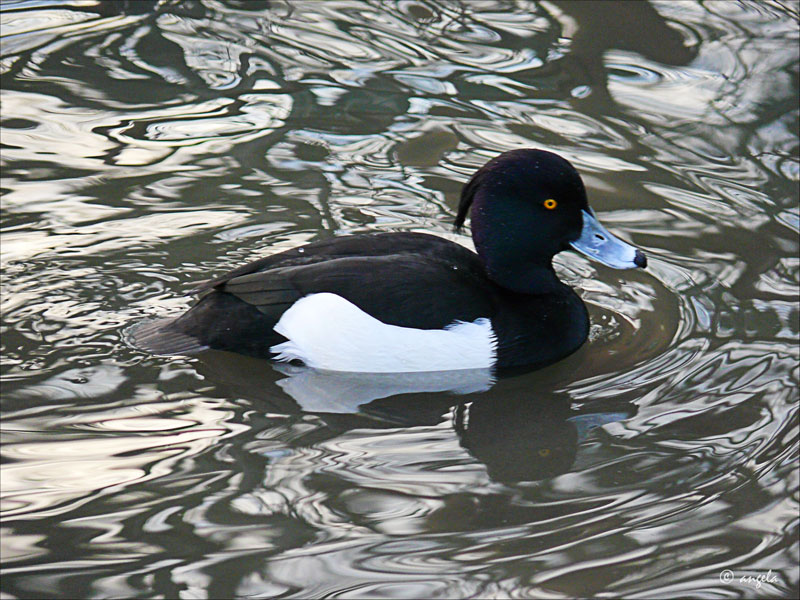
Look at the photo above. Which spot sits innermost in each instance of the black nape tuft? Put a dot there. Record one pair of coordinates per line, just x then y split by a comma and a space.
468, 195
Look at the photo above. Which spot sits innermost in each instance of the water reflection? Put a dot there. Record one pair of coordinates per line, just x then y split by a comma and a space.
521, 431
597, 27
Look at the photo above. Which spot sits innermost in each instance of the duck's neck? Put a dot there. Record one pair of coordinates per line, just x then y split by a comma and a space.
526, 279
513, 256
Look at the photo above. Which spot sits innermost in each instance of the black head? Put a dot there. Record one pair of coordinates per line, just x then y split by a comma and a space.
526, 207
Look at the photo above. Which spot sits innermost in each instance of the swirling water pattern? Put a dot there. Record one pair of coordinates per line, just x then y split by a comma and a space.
146, 145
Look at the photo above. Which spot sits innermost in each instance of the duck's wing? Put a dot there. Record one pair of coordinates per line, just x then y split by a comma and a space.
352, 246
403, 290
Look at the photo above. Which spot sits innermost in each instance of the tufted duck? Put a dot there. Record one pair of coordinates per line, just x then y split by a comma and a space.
410, 302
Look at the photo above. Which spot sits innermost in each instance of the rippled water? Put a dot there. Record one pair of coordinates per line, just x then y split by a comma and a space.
146, 145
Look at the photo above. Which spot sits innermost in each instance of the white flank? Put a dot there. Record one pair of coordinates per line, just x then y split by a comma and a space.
327, 332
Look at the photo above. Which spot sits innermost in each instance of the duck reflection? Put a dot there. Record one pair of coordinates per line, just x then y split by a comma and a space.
522, 438
518, 427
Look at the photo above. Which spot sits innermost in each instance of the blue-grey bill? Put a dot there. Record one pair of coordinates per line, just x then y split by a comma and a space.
597, 243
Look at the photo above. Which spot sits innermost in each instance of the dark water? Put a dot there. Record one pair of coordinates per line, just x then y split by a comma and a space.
149, 145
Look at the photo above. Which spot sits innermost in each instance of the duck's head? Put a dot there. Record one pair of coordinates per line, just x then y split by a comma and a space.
527, 206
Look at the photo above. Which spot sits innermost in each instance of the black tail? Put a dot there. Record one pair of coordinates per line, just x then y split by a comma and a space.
161, 337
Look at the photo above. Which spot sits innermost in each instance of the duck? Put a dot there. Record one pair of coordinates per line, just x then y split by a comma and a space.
405, 302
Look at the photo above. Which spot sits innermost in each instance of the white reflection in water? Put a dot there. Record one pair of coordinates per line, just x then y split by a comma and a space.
67, 467
317, 391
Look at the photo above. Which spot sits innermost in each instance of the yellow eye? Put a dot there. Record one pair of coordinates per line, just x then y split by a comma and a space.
550, 204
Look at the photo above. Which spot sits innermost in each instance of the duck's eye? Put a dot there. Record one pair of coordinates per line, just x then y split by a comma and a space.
550, 204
